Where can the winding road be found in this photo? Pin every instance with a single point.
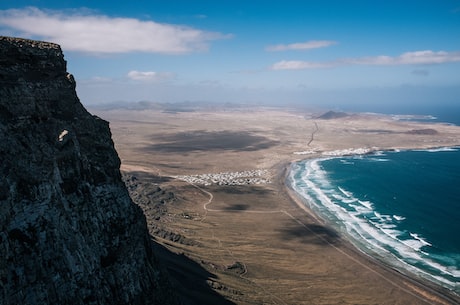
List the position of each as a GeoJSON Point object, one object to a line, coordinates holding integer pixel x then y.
{"type": "Point", "coordinates": [312, 136]}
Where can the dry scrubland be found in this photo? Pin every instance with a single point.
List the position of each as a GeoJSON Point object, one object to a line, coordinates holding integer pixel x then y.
{"type": "Point", "coordinates": [248, 242]}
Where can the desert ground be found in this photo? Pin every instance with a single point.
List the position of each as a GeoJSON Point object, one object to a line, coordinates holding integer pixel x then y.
{"type": "Point", "coordinates": [228, 229]}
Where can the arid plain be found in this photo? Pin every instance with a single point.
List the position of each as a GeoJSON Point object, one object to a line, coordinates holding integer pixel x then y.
{"type": "Point", "coordinates": [212, 186]}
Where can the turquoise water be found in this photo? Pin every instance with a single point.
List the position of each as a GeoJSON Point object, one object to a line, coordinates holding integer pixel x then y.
{"type": "Point", "coordinates": [402, 207]}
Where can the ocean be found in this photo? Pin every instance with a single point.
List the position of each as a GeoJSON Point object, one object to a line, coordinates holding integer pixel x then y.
{"type": "Point", "coordinates": [402, 207]}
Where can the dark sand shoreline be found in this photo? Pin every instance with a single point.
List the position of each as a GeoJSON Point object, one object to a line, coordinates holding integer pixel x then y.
{"type": "Point", "coordinates": [435, 289]}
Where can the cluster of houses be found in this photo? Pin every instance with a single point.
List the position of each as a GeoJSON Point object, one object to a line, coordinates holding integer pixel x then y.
{"type": "Point", "coordinates": [257, 176]}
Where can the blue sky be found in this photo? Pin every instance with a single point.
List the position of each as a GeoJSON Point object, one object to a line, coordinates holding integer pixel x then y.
{"type": "Point", "coordinates": [323, 53]}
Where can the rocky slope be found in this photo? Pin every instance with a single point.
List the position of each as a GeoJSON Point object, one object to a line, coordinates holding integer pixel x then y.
{"type": "Point", "coordinates": [70, 233]}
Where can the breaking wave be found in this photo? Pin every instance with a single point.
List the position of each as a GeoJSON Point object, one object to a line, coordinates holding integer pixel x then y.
{"type": "Point", "coordinates": [371, 230]}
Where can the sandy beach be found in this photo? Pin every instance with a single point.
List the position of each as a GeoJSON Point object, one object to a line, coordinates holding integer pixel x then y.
{"type": "Point", "coordinates": [229, 229]}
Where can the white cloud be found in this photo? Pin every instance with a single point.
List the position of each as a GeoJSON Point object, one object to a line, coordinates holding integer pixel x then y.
{"type": "Point", "coordinates": [409, 58]}
{"type": "Point", "coordinates": [102, 34]}
{"type": "Point", "coordinates": [149, 76]}
{"type": "Point", "coordinates": [312, 44]}
{"type": "Point", "coordinates": [299, 65]}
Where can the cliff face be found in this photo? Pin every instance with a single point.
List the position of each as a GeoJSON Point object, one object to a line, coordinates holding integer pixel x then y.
{"type": "Point", "coordinates": [70, 233]}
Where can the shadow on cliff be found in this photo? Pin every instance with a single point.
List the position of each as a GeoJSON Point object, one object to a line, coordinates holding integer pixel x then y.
{"type": "Point", "coordinates": [188, 278]}
{"type": "Point", "coordinates": [147, 177]}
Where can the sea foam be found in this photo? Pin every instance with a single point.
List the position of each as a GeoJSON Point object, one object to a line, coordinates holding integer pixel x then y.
{"type": "Point", "coordinates": [370, 230]}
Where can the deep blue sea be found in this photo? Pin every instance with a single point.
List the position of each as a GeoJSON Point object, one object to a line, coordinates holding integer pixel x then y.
{"type": "Point", "coordinates": [402, 207]}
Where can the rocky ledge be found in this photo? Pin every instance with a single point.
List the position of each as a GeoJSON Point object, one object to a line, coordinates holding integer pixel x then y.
{"type": "Point", "coordinates": [70, 233]}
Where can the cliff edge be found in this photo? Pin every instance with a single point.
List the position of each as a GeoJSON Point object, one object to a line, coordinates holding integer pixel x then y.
{"type": "Point", "coordinates": [70, 233]}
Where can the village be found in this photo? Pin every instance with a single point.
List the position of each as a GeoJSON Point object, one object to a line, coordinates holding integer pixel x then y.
{"type": "Point", "coordinates": [258, 176]}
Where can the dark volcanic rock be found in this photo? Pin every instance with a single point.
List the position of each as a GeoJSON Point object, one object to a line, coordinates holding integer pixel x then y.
{"type": "Point", "coordinates": [70, 233]}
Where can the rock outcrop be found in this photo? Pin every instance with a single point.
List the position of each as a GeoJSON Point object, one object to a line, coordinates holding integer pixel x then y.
{"type": "Point", "coordinates": [70, 233]}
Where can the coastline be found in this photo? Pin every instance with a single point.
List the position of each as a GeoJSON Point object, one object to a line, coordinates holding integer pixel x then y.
{"type": "Point", "coordinates": [257, 242]}
{"type": "Point", "coordinates": [427, 290]}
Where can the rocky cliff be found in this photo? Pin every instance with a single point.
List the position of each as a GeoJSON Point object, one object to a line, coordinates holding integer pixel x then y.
{"type": "Point", "coordinates": [70, 233]}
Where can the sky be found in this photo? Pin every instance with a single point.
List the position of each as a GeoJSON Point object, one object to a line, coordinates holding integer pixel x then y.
{"type": "Point", "coordinates": [332, 53]}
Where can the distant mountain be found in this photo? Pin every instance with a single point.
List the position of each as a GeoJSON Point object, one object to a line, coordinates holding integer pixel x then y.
{"type": "Point", "coordinates": [70, 233]}
{"type": "Point", "coordinates": [333, 115]}
{"type": "Point", "coordinates": [168, 107]}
